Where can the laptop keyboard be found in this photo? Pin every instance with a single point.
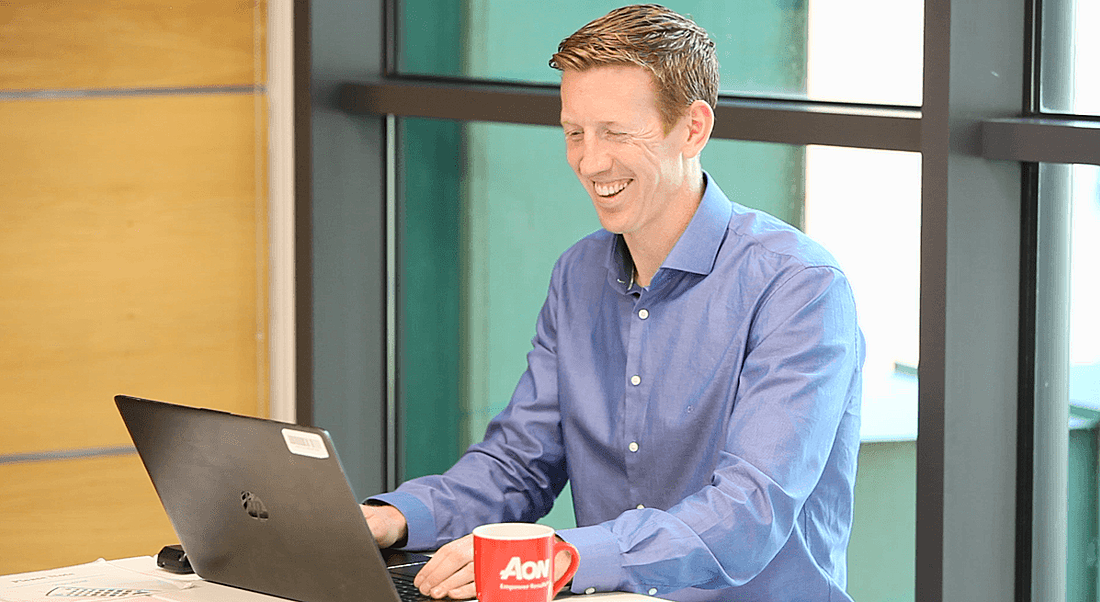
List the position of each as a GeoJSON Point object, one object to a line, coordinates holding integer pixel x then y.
{"type": "Point", "coordinates": [405, 588]}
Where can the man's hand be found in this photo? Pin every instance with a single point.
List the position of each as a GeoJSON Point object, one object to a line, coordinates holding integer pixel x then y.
{"type": "Point", "coordinates": [450, 572]}
{"type": "Point", "coordinates": [386, 523]}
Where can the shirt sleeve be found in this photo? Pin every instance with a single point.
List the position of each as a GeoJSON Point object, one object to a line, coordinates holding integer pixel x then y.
{"type": "Point", "coordinates": [514, 474]}
{"type": "Point", "coordinates": [800, 377]}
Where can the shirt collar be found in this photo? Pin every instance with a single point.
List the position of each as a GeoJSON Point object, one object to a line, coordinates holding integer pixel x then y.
{"type": "Point", "coordinates": [697, 248]}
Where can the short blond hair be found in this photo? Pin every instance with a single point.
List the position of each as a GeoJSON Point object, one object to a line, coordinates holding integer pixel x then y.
{"type": "Point", "coordinates": [677, 52]}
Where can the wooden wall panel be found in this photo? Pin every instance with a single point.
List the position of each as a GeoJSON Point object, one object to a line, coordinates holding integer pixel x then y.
{"type": "Point", "coordinates": [133, 252]}
{"type": "Point", "coordinates": [74, 511]}
{"type": "Point", "coordinates": [64, 44]}
{"type": "Point", "coordinates": [132, 260]}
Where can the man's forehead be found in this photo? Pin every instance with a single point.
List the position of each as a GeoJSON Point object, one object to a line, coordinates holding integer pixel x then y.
{"type": "Point", "coordinates": [607, 94]}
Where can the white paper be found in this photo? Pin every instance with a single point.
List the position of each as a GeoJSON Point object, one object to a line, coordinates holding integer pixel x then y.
{"type": "Point", "coordinates": [92, 582]}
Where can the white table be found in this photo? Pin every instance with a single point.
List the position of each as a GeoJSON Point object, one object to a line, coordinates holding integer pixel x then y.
{"type": "Point", "coordinates": [142, 571]}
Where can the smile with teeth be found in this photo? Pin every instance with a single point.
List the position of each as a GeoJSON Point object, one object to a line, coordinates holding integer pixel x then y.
{"type": "Point", "coordinates": [606, 189]}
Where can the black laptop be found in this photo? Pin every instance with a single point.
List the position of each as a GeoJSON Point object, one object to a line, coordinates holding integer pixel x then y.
{"type": "Point", "coordinates": [263, 505]}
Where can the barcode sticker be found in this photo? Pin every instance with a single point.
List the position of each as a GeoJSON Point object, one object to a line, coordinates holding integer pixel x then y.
{"type": "Point", "coordinates": [305, 444]}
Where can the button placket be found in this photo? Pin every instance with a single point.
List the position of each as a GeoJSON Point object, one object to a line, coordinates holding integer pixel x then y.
{"type": "Point", "coordinates": [635, 324]}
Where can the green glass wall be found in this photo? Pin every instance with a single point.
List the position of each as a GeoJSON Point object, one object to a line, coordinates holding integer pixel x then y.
{"type": "Point", "coordinates": [462, 187]}
{"type": "Point", "coordinates": [484, 210]}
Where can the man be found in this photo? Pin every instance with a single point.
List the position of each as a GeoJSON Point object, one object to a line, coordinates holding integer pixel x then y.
{"type": "Point", "coordinates": [695, 372]}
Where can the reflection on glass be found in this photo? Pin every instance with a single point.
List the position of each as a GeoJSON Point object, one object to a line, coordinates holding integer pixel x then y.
{"type": "Point", "coordinates": [1070, 57]}
{"type": "Point", "coordinates": [485, 211]}
{"type": "Point", "coordinates": [788, 48]}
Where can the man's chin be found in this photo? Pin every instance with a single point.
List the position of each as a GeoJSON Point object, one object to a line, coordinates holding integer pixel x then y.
{"type": "Point", "coordinates": [611, 220]}
{"type": "Point", "coordinates": [610, 224]}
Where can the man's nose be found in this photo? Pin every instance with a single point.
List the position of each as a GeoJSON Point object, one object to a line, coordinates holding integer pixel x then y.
{"type": "Point", "coordinates": [595, 158]}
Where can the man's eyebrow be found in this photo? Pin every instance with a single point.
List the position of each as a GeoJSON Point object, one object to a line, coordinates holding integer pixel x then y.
{"type": "Point", "coordinates": [603, 124]}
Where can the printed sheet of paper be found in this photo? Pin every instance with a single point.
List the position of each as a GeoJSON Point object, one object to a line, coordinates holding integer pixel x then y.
{"type": "Point", "coordinates": [92, 582]}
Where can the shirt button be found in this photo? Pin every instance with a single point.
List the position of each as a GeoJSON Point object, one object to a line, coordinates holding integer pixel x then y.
{"type": "Point", "coordinates": [633, 446]}
{"type": "Point", "coordinates": [653, 591]}
{"type": "Point", "coordinates": [590, 590]}
{"type": "Point", "coordinates": [635, 380]}
{"type": "Point", "coordinates": [643, 313]}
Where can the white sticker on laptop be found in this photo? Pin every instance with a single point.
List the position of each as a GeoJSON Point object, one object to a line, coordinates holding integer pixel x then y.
{"type": "Point", "coordinates": [305, 444]}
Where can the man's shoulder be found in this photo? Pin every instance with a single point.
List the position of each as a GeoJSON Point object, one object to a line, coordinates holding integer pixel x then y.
{"type": "Point", "coordinates": [756, 235]}
{"type": "Point", "coordinates": [770, 239]}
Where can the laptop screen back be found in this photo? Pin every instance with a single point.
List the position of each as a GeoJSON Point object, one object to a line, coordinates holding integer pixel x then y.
{"type": "Point", "coordinates": [258, 504]}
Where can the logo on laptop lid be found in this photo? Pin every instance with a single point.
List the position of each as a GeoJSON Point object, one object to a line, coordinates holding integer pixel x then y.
{"type": "Point", "coordinates": [253, 505]}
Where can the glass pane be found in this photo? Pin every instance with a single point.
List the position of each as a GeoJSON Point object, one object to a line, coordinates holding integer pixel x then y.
{"type": "Point", "coordinates": [859, 200]}
{"type": "Point", "coordinates": [485, 211]}
{"type": "Point", "coordinates": [1083, 518]}
{"type": "Point", "coordinates": [847, 191]}
{"type": "Point", "coordinates": [1068, 382]}
{"type": "Point", "coordinates": [787, 48]}
{"type": "Point", "coordinates": [1070, 57]}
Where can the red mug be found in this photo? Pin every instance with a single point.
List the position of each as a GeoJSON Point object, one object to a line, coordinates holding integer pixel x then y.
{"type": "Point", "coordinates": [514, 562]}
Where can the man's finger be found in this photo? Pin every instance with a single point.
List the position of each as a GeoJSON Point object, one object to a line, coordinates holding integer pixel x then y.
{"type": "Point", "coordinates": [562, 561]}
{"type": "Point", "coordinates": [457, 585]}
{"type": "Point", "coordinates": [445, 563]}
{"type": "Point", "coordinates": [466, 592]}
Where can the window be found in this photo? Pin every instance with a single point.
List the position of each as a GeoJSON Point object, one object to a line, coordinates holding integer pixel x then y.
{"type": "Point", "coordinates": [777, 48]}
{"type": "Point", "coordinates": [487, 209]}
{"type": "Point", "coordinates": [1067, 394]}
{"type": "Point", "coordinates": [1065, 540]}
{"type": "Point", "coordinates": [1083, 478]}
{"type": "Point", "coordinates": [484, 209]}
{"type": "Point", "coordinates": [973, 142]}
{"type": "Point", "coordinates": [1069, 58]}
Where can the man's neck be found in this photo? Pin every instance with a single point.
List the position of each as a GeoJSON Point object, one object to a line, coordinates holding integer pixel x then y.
{"type": "Point", "coordinates": [649, 249]}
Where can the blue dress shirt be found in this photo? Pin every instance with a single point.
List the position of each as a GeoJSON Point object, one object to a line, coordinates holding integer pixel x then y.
{"type": "Point", "coordinates": [708, 423]}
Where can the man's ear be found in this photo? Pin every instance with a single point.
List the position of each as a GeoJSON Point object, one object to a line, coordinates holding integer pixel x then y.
{"type": "Point", "coordinates": [700, 118]}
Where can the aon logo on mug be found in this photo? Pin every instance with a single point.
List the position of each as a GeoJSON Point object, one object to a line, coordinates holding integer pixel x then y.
{"type": "Point", "coordinates": [525, 571]}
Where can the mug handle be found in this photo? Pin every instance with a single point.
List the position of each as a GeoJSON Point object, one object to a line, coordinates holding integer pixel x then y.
{"type": "Point", "coordinates": [574, 563]}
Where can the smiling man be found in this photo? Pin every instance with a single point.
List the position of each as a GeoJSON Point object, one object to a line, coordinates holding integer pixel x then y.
{"type": "Point", "coordinates": [644, 178]}
{"type": "Point", "coordinates": [695, 371]}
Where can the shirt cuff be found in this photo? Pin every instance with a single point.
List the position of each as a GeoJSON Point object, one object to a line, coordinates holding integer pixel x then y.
{"type": "Point", "coordinates": [601, 566]}
{"type": "Point", "coordinates": [418, 518]}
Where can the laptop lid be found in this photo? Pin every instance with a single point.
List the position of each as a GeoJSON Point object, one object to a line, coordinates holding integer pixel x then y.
{"type": "Point", "coordinates": [258, 504]}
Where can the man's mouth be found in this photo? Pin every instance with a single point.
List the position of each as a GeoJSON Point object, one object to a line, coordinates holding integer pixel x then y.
{"type": "Point", "coordinates": [609, 189]}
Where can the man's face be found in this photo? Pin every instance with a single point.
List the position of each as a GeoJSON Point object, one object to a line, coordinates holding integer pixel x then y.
{"type": "Point", "coordinates": [616, 144]}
